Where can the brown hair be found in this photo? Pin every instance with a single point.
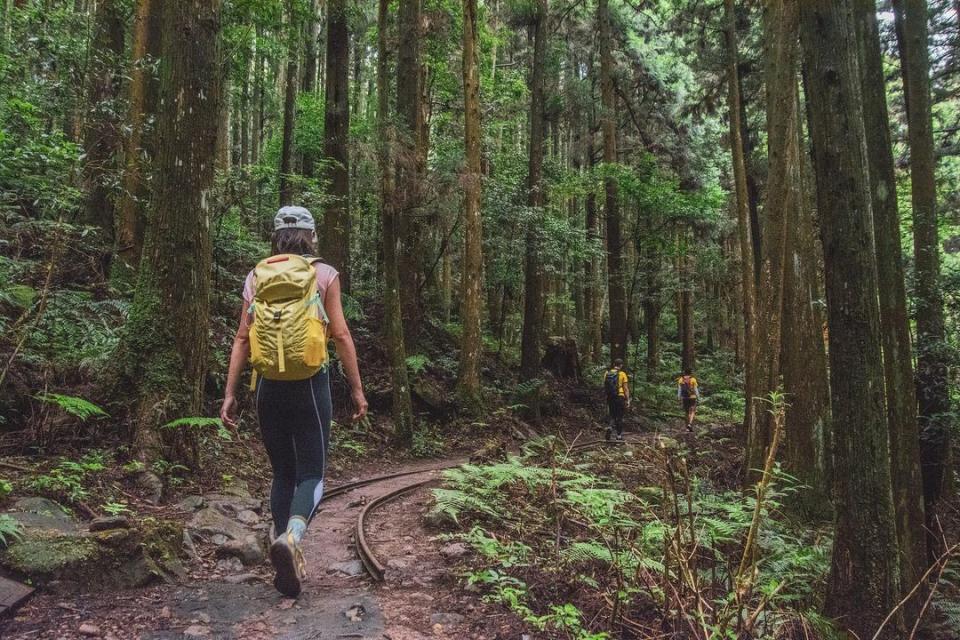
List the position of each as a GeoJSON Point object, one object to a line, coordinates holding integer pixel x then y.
{"type": "Point", "coordinates": [296, 241]}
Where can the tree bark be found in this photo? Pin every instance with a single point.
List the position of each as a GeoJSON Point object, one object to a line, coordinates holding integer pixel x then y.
{"type": "Point", "coordinates": [472, 267]}
{"type": "Point", "coordinates": [393, 316]}
{"type": "Point", "coordinates": [863, 585]}
{"type": "Point", "coordinates": [289, 111]}
{"type": "Point", "coordinates": [336, 223]}
{"type": "Point", "coordinates": [803, 352]}
{"type": "Point", "coordinates": [932, 372]}
{"type": "Point", "coordinates": [780, 23]}
{"type": "Point", "coordinates": [409, 130]}
{"type": "Point", "coordinates": [166, 338]}
{"type": "Point", "coordinates": [894, 319]}
{"type": "Point", "coordinates": [608, 124]}
{"type": "Point", "coordinates": [741, 198]}
{"type": "Point", "coordinates": [536, 198]}
{"type": "Point", "coordinates": [142, 104]}
{"type": "Point", "coordinates": [101, 140]}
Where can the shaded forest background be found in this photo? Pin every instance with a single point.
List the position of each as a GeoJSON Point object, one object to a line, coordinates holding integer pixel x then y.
{"type": "Point", "coordinates": [764, 192]}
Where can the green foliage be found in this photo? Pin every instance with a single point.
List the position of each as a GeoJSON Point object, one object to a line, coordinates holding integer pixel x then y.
{"type": "Point", "coordinates": [6, 488]}
{"type": "Point", "coordinates": [70, 479]}
{"type": "Point", "coordinates": [417, 363]}
{"type": "Point", "coordinates": [427, 442]}
{"type": "Point", "coordinates": [10, 530]}
{"type": "Point", "coordinates": [115, 508]}
{"type": "Point", "coordinates": [201, 424]}
{"type": "Point", "coordinates": [546, 513]}
{"type": "Point", "coordinates": [77, 407]}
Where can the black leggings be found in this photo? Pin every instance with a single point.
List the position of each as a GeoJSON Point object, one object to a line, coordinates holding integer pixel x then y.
{"type": "Point", "coordinates": [295, 425]}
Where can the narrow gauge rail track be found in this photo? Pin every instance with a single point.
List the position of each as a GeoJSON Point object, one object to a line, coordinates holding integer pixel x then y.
{"type": "Point", "coordinates": [369, 559]}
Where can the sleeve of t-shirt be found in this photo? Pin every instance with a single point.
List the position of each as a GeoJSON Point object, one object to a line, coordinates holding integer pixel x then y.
{"type": "Point", "coordinates": [247, 298]}
{"type": "Point", "coordinates": [624, 381]}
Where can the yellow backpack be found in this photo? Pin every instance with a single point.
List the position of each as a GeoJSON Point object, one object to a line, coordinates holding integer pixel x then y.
{"type": "Point", "coordinates": [288, 339]}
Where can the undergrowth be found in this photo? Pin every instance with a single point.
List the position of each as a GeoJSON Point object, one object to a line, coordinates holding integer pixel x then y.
{"type": "Point", "coordinates": [578, 552]}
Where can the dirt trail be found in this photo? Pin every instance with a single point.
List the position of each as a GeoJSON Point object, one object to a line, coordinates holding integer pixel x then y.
{"type": "Point", "coordinates": [339, 599]}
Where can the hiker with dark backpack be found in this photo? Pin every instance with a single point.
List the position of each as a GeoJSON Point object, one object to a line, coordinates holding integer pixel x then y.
{"type": "Point", "coordinates": [616, 385]}
{"type": "Point", "coordinates": [291, 304]}
{"type": "Point", "coordinates": [688, 392]}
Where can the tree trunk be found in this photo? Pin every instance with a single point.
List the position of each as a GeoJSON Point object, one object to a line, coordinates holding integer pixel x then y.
{"type": "Point", "coordinates": [894, 321]}
{"type": "Point", "coordinates": [470, 345]}
{"type": "Point", "coordinates": [932, 372]}
{"type": "Point", "coordinates": [688, 353]}
{"type": "Point", "coordinates": [409, 124]}
{"type": "Point", "coordinates": [803, 353]}
{"type": "Point", "coordinates": [166, 338]}
{"type": "Point", "coordinates": [101, 140]}
{"type": "Point", "coordinates": [747, 280]}
{"type": "Point", "coordinates": [308, 85]}
{"type": "Point", "coordinates": [536, 190]}
{"type": "Point", "coordinates": [863, 584]}
{"type": "Point", "coordinates": [142, 104]}
{"type": "Point", "coordinates": [336, 221]}
{"type": "Point", "coordinates": [256, 137]}
{"type": "Point", "coordinates": [289, 111]}
{"type": "Point", "coordinates": [780, 20]}
{"type": "Point", "coordinates": [608, 124]}
{"type": "Point", "coordinates": [393, 317]}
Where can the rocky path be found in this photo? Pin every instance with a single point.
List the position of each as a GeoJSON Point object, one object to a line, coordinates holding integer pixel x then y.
{"type": "Point", "coordinates": [226, 590]}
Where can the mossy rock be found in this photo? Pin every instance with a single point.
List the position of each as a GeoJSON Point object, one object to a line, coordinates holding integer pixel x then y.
{"type": "Point", "coordinates": [50, 555]}
{"type": "Point", "coordinates": [113, 559]}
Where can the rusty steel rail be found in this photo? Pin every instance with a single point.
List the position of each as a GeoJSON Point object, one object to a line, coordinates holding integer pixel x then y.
{"type": "Point", "coordinates": [350, 486]}
{"type": "Point", "coordinates": [369, 559]}
{"type": "Point", "coordinates": [373, 566]}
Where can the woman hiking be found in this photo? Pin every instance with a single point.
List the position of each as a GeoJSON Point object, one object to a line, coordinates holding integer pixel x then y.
{"type": "Point", "coordinates": [291, 303]}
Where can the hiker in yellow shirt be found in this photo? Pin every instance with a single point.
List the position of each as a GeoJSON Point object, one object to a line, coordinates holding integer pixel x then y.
{"type": "Point", "coordinates": [616, 384]}
{"type": "Point", "coordinates": [688, 392]}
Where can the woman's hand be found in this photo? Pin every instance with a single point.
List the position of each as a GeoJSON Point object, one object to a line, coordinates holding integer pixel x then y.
{"type": "Point", "coordinates": [359, 403]}
{"type": "Point", "coordinates": [228, 412]}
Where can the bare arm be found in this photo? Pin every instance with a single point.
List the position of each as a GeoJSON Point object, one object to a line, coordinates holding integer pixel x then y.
{"type": "Point", "coordinates": [239, 355]}
{"type": "Point", "coordinates": [340, 334]}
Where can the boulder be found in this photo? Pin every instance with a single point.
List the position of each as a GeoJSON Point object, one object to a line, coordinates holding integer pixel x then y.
{"type": "Point", "coordinates": [35, 513]}
{"type": "Point", "coordinates": [211, 522]}
{"type": "Point", "coordinates": [247, 550]}
{"type": "Point", "coordinates": [106, 523]}
{"type": "Point", "coordinates": [115, 558]}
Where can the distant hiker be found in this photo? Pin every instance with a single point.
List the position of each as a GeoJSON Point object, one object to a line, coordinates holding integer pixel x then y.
{"type": "Point", "coordinates": [291, 303]}
{"type": "Point", "coordinates": [688, 392]}
{"type": "Point", "coordinates": [616, 384]}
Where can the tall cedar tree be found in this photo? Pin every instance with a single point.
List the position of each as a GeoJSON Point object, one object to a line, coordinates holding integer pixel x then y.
{"type": "Point", "coordinates": [393, 320]}
{"type": "Point", "coordinates": [289, 107]}
{"type": "Point", "coordinates": [536, 198]}
{"type": "Point", "coordinates": [895, 323]}
{"type": "Point", "coordinates": [806, 378]}
{"type": "Point", "coordinates": [863, 585]}
{"type": "Point", "coordinates": [166, 338]}
{"type": "Point", "coordinates": [470, 345]}
{"type": "Point", "coordinates": [611, 208]}
{"type": "Point", "coordinates": [142, 98]}
{"type": "Point", "coordinates": [742, 203]}
{"type": "Point", "coordinates": [932, 391]}
{"type": "Point", "coordinates": [336, 136]}
{"type": "Point", "coordinates": [409, 125]}
{"type": "Point", "coordinates": [101, 140]}
{"type": "Point", "coordinates": [780, 23]}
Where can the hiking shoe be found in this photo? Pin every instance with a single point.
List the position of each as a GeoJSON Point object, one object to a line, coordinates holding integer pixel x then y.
{"type": "Point", "coordinates": [690, 427]}
{"type": "Point", "coordinates": [619, 437]}
{"type": "Point", "coordinates": [608, 434]}
{"type": "Point", "coordinates": [287, 560]}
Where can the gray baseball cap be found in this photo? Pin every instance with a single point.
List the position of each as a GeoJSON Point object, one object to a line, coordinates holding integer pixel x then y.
{"type": "Point", "coordinates": [292, 217]}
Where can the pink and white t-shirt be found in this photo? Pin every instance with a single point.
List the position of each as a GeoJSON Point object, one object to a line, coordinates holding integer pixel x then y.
{"type": "Point", "coordinates": [325, 277]}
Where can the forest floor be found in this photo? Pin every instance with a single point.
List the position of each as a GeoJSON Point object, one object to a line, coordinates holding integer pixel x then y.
{"type": "Point", "coordinates": [218, 596]}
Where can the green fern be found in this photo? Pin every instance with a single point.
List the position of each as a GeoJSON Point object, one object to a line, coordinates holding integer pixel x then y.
{"type": "Point", "coordinates": [200, 422]}
{"type": "Point", "coordinates": [76, 407]}
{"type": "Point", "coordinates": [10, 530]}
